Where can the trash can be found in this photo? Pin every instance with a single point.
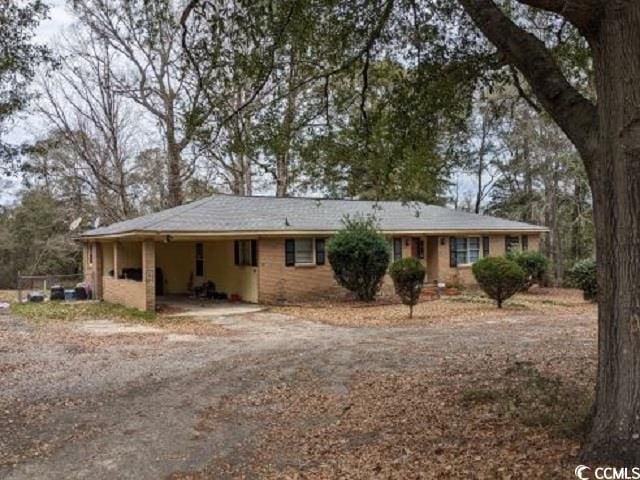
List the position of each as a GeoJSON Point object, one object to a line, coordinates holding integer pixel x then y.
{"type": "Point", "coordinates": [81, 293]}
{"type": "Point", "coordinates": [35, 297]}
{"type": "Point", "coordinates": [57, 293]}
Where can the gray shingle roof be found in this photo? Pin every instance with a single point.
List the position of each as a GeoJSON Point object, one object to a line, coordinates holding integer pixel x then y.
{"type": "Point", "coordinates": [227, 213]}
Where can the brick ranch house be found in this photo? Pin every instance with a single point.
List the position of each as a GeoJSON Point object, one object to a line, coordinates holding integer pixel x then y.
{"type": "Point", "coordinates": [267, 249]}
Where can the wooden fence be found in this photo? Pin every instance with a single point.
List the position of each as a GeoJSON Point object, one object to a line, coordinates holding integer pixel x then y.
{"type": "Point", "coordinates": [44, 282]}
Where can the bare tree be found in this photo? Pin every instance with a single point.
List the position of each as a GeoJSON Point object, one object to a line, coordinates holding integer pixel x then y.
{"type": "Point", "coordinates": [93, 128]}
{"type": "Point", "coordinates": [151, 71]}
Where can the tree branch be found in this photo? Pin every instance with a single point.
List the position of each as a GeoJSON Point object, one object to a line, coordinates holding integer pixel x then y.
{"type": "Point", "coordinates": [573, 113]}
{"type": "Point", "coordinates": [584, 14]}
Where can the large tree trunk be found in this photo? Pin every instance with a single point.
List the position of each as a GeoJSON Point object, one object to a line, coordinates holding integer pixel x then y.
{"type": "Point", "coordinates": [615, 182]}
{"type": "Point", "coordinates": [608, 139]}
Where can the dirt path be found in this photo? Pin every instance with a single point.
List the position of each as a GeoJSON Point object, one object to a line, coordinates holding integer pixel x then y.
{"type": "Point", "coordinates": [149, 405]}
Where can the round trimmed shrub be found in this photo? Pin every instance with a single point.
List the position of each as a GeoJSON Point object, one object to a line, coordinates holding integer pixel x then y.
{"type": "Point", "coordinates": [583, 275]}
{"type": "Point", "coordinates": [499, 277]}
{"type": "Point", "coordinates": [534, 264]}
{"type": "Point", "coordinates": [408, 277]}
{"type": "Point", "coordinates": [359, 257]}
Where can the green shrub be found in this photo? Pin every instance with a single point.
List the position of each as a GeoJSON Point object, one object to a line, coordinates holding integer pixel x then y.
{"type": "Point", "coordinates": [534, 264]}
{"type": "Point", "coordinates": [583, 275]}
{"type": "Point", "coordinates": [499, 277]}
{"type": "Point", "coordinates": [408, 277]}
{"type": "Point", "coordinates": [359, 256]}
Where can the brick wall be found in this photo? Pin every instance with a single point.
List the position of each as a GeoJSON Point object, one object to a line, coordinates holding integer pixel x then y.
{"type": "Point", "coordinates": [463, 275]}
{"type": "Point", "coordinates": [140, 295]}
{"type": "Point", "coordinates": [125, 292]}
{"type": "Point", "coordinates": [277, 282]}
{"type": "Point", "coordinates": [149, 275]}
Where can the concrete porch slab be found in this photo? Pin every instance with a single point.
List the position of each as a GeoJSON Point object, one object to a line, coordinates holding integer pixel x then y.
{"type": "Point", "coordinates": [185, 307]}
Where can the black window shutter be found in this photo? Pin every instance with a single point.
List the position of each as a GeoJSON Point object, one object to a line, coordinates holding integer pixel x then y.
{"type": "Point", "coordinates": [452, 252]}
{"type": "Point", "coordinates": [506, 244]}
{"type": "Point", "coordinates": [254, 253]}
{"type": "Point", "coordinates": [485, 246]}
{"type": "Point", "coordinates": [199, 260]}
{"type": "Point", "coordinates": [289, 252]}
{"type": "Point", "coordinates": [525, 243]}
{"type": "Point", "coordinates": [236, 252]}
{"type": "Point", "coordinates": [319, 251]}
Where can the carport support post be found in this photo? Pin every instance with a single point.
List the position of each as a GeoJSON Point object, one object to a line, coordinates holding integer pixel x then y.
{"type": "Point", "coordinates": [97, 270]}
{"type": "Point", "coordinates": [149, 274]}
{"type": "Point", "coordinates": [116, 260]}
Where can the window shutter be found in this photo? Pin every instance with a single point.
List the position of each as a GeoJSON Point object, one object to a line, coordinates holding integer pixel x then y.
{"type": "Point", "coordinates": [452, 252]}
{"type": "Point", "coordinates": [320, 251]}
{"type": "Point", "coordinates": [289, 252]}
{"type": "Point", "coordinates": [254, 253]}
{"type": "Point", "coordinates": [525, 243]}
{"type": "Point", "coordinates": [485, 246]}
{"type": "Point", "coordinates": [236, 252]}
{"type": "Point", "coordinates": [506, 244]}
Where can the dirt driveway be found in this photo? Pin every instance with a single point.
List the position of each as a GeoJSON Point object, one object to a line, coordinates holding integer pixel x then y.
{"type": "Point", "coordinates": [269, 395]}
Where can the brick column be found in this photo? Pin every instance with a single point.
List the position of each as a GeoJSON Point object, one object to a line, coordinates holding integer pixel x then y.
{"type": "Point", "coordinates": [116, 260]}
{"type": "Point", "coordinates": [97, 270]}
{"type": "Point", "coordinates": [149, 274]}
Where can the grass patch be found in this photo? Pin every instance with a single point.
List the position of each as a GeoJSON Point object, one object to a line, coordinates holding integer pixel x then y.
{"type": "Point", "coordinates": [537, 400]}
{"type": "Point", "coordinates": [480, 299]}
{"type": "Point", "coordinates": [479, 396]}
{"type": "Point", "coordinates": [469, 299]}
{"type": "Point", "coordinates": [555, 303]}
{"type": "Point", "coordinates": [63, 311]}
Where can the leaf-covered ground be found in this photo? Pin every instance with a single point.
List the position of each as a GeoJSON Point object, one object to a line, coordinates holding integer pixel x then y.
{"type": "Point", "coordinates": [463, 392]}
{"type": "Point", "coordinates": [469, 305]}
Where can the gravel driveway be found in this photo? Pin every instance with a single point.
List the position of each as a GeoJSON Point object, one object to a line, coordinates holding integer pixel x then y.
{"type": "Point", "coordinates": [77, 404]}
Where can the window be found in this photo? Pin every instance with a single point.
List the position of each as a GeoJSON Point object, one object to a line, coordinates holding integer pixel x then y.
{"type": "Point", "coordinates": [525, 243]}
{"type": "Point", "coordinates": [246, 253]}
{"type": "Point", "coordinates": [464, 250]}
{"type": "Point", "coordinates": [397, 249]}
{"type": "Point", "coordinates": [90, 248]}
{"type": "Point", "coordinates": [474, 249]}
{"type": "Point", "coordinates": [199, 260]}
{"type": "Point", "coordinates": [304, 250]}
{"type": "Point", "coordinates": [511, 244]}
